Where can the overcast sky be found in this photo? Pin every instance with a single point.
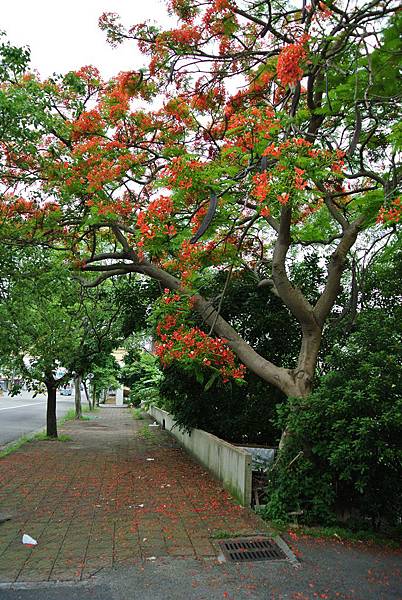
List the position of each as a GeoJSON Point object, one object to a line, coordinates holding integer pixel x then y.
{"type": "Point", "coordinates": [64, 35]}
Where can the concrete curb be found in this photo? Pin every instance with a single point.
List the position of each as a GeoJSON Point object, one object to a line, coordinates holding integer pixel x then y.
{"type": "Point", "coordinates": [29, 437]}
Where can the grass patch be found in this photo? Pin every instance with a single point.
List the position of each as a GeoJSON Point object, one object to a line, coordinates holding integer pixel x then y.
{"type": "Point", "coordinates": [137, 414]}
{"type": "Point", "coordinates": [146, 433]}
{"type": "Point", "coordinates": [42, 437]}
{"type": "Point", "coordinates": [25, 439]}
{"type": "Point", "coordinates": [390, 539]}
{"type": "Point", "coordinates": [221, 534]}
{"type": "Point", "coordinates": [15, 445]}
{"type": "Point", "coordinates": [367, 536]}
{"type": "Point", "coordinates": [70, 415]}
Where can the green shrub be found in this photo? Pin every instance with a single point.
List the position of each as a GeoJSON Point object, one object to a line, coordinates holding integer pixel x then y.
{"type": "Point", "coordinates": [144, 376]}
{"type": "Point", "coordinates": [236, 413]}
{"type": "Point", "coordinates": [347, 435]}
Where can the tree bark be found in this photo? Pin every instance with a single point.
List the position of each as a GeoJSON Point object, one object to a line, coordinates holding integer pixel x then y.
{"type": "Point", "coordinates": [78, 407]}
{"type": "Point", "coordinates": [95, 396]}
{"type": "Point", "coordinates": [91, 406]}
{"type": "Point", "coordinates": [296, 382]}
{"type": "Point", "coordinates": [51, 420]}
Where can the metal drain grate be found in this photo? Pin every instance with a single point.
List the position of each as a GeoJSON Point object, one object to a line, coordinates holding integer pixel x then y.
{"type": "Point", "coordinates": [251, 549]}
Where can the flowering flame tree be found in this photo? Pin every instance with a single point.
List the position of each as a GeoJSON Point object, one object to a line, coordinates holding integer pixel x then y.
{"type": "Point", "coordinates": [254, 129]}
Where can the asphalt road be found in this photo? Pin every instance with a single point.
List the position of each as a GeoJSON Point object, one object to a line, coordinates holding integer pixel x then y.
{"type": "Point", "coordinates": [328, 570]}
{"type": "Point", "coordinates": [23, 414]}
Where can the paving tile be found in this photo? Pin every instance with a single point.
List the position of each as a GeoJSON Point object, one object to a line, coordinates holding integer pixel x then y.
{"type": "Point", "coordinates": [96, 501]}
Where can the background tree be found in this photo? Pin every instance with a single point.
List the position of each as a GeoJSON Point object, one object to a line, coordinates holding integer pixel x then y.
{"type": "Point", "coordinates": [102, 328]}
{"type": "Point", "coordinates": [106, 374]}
{"type": "Point", "coordinates": [39, 329]}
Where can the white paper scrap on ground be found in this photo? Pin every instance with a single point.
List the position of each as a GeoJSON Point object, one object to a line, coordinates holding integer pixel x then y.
{"type": "Point", "coordinates": [28, 540]}
{"type": "Point", "coordinates": [151, 558]}
{"type": "Point", "coordinates": [150, 459]}
{"type": "Point", "coordinates": [154, 424]}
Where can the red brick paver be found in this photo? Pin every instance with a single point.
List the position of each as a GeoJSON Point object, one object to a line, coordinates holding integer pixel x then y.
{"type": "Point", "coordinates": [98, 500]}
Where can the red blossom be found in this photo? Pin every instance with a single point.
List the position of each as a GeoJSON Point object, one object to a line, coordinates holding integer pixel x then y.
{"type": "Point", "coordinates": [261, 186]}
{"type": "Point", "coordinates": [389, 216]}
{"type": "Point", "coordinates": [289, 68]}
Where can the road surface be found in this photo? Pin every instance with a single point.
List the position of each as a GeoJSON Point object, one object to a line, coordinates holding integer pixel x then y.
{"type": "Point", "coordinates": [24, 414]}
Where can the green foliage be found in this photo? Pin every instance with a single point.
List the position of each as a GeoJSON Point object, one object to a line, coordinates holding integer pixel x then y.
{"type": "Point", "coordinates": [10, 448]}
{"type": "Point", "coordinates": [356, 534]}
{"type": "Point", "coordinates": [343, 456]}
{"type": "Point", "coordinates": [134, 296]}
{"type": "Point", "coordinates": [146, 433]}
{"type": "Point", "coordinates": [106, 374]}
{"type": "Point", "coordinates": [240, 414]}
{"type": "Point", "coordinates": [46, 315]}
{"type": "Point", "coordinates": [37, 314]}
{"type": "Point", "coordinates": [137, 414]}
{"type": "Point", "coordinates": [70, 415]}
{"type": "Point", "coordinates": [13, 60]}
{"type": "Point", "coordinates": [144, 376]}
{"type": "Point", "coordinates": [243, 413]}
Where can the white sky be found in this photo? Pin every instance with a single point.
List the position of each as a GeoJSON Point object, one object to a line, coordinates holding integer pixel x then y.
{"type": "Point", "coordinates": [65, 36]}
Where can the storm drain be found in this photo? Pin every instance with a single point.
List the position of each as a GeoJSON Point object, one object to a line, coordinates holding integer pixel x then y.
{"type": "Point", "coordinates": [246, 549]}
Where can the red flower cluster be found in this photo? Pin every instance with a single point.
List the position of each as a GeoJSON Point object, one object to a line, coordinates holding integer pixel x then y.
{"type": "Point", "coordinates": [152, 222]}
{"type": "Point", "coordinates": [11, 206]}
{"type": "Point", "coordinates": [243, 129]}
{"type": "Point", "coordinates": [121, 207]}
{"type": "Point", "coordinates": [337, 166]}
{"type": "Point", "coordinates": [194, 345]}
{"type": "Point", "coordinates": [324, 11]}
{"type": "Point", "coordinates": [190, 345]}
{"type": "Point", "coordinates": [88, 123]}
{"type": "Point", "coordinates": [183, 8]}
{"type": "Point", "coordinates": [187, 35]}
{"type": "Point", "coordinates": [283, 198]}
{"type": "Point", "coordinates": [179, 110]}
{"type": "Point", "coordinates": [261, 186]}
{"type": "Point", "coordinates": [391, 215]}
{"type": "Point", "coordinates": [288, 68]}
{"type": "Point", "coordinates": [181, 173]}
{"type": "Point", "coordinates": [217, 15]}
{"type": "Point", "coordinates": [300, 182]}
{"type": "Point", "coordinates": [90, 75]}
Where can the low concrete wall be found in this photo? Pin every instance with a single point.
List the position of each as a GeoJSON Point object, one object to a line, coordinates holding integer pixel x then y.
{"type": "Point", "coordinates": [231, 465]}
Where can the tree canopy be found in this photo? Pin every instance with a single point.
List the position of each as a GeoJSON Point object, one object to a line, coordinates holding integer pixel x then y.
{"type": "Point", "coordinates": [254, 130]}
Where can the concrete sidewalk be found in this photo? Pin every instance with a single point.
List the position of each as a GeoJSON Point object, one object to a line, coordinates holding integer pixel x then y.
{"type": "Point", "coordinates": [120, 511]}
{"type": "Point", "coordinates": [117, 493]}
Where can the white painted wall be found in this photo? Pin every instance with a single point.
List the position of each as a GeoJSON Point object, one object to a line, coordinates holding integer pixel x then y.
{"type": "Point", "coordinates": [119, 396]}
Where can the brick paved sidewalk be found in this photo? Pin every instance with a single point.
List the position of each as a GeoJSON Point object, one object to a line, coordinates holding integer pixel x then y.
{"type": "Point", "coordinates": [98, 501]}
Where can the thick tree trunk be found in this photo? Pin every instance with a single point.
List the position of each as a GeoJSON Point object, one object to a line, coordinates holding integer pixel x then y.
{"type": "Point", "coordinates": [51, 420]}
{"type": "Point", "coordinates": [77, 387]}
{"type": "Point", "coordinates": [303, 375]}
